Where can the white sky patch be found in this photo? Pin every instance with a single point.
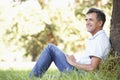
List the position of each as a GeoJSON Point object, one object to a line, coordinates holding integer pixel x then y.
{"type": "Point", "coordinates": [61, 3]}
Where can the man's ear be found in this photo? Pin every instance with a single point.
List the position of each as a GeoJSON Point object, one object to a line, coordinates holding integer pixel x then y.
{"type": "Point", "coordinates": [100, 23]}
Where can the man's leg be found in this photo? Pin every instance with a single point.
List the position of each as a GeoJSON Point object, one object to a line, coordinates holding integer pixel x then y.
{"type": "Point", "coordinates": [49, 54]}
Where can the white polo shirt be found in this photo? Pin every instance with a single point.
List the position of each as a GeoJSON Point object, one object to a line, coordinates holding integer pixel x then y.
{"type": "Point", "coordinates": [98, 45]}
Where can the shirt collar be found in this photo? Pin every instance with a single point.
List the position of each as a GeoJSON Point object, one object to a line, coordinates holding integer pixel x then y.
{"type": "Point", "coordinates": [98, 33]}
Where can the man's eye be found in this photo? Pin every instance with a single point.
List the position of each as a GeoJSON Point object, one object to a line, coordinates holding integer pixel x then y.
{"type": "Point", "coordinates": [91, 19]}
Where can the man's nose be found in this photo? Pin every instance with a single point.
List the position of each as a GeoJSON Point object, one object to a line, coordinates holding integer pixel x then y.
{"type": "Point", "coordinates": [87, 22]}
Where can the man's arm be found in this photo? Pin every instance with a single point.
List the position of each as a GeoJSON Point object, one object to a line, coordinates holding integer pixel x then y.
{"type": "Point", "coordinates": [95, 61]}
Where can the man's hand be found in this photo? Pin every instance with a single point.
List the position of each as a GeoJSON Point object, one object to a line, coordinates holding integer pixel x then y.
{"type": "Point", "coordinates": [71, 60]}
{"type": "Point", "coordinates": [95, 61]}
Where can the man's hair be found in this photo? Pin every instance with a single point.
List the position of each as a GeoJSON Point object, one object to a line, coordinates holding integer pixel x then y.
{"type": "Point", "coordinates": [100, 14]}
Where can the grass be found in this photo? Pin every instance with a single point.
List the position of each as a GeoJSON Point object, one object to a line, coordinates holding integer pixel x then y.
{"type": "Point", "coordinates": [108, 71]}
{"type": "Point", "coordinates": [55, 75]}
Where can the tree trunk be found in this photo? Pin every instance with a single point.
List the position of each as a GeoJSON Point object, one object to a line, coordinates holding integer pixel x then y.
{"type": "Point", "coordinates": [34, 58]}
{"type": "Point", "coordinates": [115, 27]}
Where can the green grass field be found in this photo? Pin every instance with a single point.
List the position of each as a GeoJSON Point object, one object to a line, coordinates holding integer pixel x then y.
{"type": "Point", "coordinates": [106, 72]}
{"type": "Point", "coordinates": [55, 75]}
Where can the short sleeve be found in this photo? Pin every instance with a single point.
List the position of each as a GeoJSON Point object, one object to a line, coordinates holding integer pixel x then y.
{"type": "Point", "coordinates": [100, 48]}
{"type": "Point", "coordinates": [97, 50]}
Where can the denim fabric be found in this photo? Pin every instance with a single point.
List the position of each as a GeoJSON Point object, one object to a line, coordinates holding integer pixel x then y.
{"type": "Point", "coordinates": [49, 54]}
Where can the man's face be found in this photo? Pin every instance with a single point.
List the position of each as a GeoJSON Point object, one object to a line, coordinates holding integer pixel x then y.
{"type": "Point", "coordinates": [92, 24]}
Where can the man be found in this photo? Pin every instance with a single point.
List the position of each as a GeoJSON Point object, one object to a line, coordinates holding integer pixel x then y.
{"type": "Point", "coordinates": [98, 47]}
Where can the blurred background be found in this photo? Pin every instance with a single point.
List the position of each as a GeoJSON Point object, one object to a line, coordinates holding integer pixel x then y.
{"type": "Point", "coordinates": [27, 26]}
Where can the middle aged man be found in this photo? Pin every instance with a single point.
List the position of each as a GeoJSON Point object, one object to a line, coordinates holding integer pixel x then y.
{"type": "Point", "coordinates": [97, 49]}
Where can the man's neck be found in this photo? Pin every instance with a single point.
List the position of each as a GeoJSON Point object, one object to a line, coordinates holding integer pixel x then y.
{"type": "Point", "coordinates": [93, 33]}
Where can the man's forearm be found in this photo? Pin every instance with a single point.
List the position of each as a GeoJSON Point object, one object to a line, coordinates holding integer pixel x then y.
{"type": "Point", "coordinates": [86, 67]}
{"type": "Point", "coordinates": [95, 61]}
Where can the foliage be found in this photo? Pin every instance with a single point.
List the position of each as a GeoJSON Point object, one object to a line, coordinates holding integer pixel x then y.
{"type": "Point", "coordinates": [39, 40]}
{"type": "Point", "coordinates": [82, 6]}
{"type": "Point", "coordinates": [33, 27]}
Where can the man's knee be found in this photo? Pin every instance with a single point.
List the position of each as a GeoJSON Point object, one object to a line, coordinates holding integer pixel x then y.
{"type": "Point", "coordinates": [50, 45]}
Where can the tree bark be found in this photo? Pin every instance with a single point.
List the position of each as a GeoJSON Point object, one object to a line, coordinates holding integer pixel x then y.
{"type": "Point", "coordinates": [115, 27]}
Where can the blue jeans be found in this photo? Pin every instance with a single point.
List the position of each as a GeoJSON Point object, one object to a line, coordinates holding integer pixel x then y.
{"type": "Point", "coordinates": [49, 54]}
